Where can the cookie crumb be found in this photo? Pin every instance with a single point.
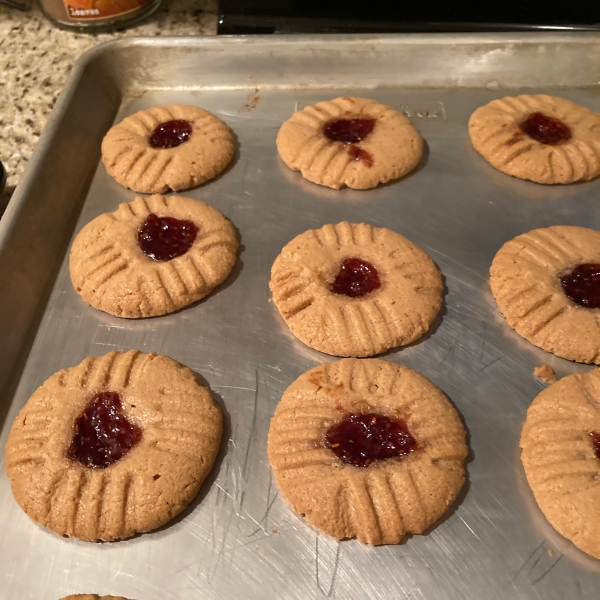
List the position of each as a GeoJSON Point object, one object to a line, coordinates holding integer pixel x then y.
{"type": "Point", "coordinates": [545, 373]}
{"type": "Point", "coordinates": [550, 553]}
{"type": "Point", "coordinates": [274, 531]}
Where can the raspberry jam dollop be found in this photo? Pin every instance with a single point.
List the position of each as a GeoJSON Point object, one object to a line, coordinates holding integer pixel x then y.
{"type": "Point", "coordinates": [102, 433]}
{"type": "Point", "coordinates": [348, 131]}
{"type": "Point", "coordinates": [165, 238]}
{"type": "Point", "coordinates": [545, 129]}
{"type": "Point", "coordinates": [582, 285]}
{"type": "Point", "coordinates": [355, 278]}
{"type": "Point", "coordinates": [359, 439]}
{"type": "Point", "coordinates": [171, 134]}
{"type": "Point", "coordinates": [595, 438]}
{"type": "Point", "coordinates": [357, 153]}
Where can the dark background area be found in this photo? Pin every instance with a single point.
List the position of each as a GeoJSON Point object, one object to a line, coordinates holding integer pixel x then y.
{"type": "Point", "coordinates": [271, 16]}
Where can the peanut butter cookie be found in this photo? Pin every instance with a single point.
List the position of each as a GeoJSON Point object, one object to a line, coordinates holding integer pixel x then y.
{"type": "Point", "coordinates": [560, 446]}
{"type": "Point", "coordinates": [165, 148]}
{"type": "Point", "coordinates": [115, 446]}
{"type": "Point", "coordinates": [352, 142]}
{"type": "Point", "coordinates": [152, 256]}
{"type": "Point", "coordinates": [92, 597]}
{"type": "Point", "coordinates": [547, 286]}
{"type": "Point", "coordinates": [538, 137]}
{"type": "Point", "coordinates": [367, 449]}
{"type": "Point", "coordinates": [355, 290]}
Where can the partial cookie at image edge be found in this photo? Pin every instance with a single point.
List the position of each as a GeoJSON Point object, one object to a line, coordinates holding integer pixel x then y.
{"type": "Point", "coordinates": [561, 458]}
{"type": "Point", "coordinates": [526, 277]}
{"type": "Point", "coordinates": [501, 130]}
{"type": "Point", "coordinates": [92, 597]}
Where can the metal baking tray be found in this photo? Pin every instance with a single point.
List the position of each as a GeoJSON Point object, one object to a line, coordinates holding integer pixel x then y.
{"type": "Point", "coordinates": [239, 539]}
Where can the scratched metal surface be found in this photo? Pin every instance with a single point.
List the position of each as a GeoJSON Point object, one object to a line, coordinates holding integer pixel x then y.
{"type": "Point", "coordinates": [239, 539]}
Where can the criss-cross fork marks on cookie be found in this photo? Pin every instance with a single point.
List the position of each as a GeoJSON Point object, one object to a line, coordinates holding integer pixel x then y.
{"type": "Point", "coordinates": [391, 150]}
{"type": "Point", "coordinates": [111, 272]}
{"type": "Point", "coordinates": [396, 313]}
{"type": "Point", "coordinates": [560, 459]}
{"type": "Point", "coordinates": [135, 163]}
{"type": "Point", "coordinates": [181, 431]}
{"type": "Point", "coordinates": [497, 133]}
{"type": "Point", "coordinates": [525, 278]}
{"type": "Point", "coordinates": [381, 503]}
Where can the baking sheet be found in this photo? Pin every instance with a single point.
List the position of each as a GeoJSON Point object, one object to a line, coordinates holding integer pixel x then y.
{"type": "Point", "coordinates": [239, 539]}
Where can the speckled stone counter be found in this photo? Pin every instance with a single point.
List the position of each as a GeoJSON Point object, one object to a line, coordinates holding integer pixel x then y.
{"type": "Point", "coordinates": [36, 57]}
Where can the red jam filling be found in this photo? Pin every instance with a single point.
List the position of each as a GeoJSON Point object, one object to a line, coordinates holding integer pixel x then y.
{"type": "Point", "coordinates": [582, 285]}
{"type": "Point", "coordinates": [359, 439]}
{"type": "Point", "coordinates": [165, 238]}
{"type": "Point", "coordinates": [102, 433]}
{"type": "Point", "coordinates": [355, 278]}
{"type": "Point", "coordinates": [595, 437]}
{"type": "Point", "coordinates": [357, 153]}
{"type": "Point", "coordinates": [348, 131]}
{"type": "Point", "coordinates": [546, 130]}
{"type": "Point", "coordinates": [171, 134]}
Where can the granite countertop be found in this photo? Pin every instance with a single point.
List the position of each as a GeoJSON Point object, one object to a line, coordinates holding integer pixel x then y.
{"type": "Point", "coordinates": [36, 57]}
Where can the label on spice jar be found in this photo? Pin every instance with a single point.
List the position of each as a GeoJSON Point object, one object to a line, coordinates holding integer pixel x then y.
{"type": "Point", "coordinates": [100, 9]}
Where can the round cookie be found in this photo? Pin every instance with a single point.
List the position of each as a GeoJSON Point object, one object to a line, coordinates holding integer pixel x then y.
{"type": "Point", "coordinates": [353, 142]}
{"type": "Point", "coordinates": [92, 597]}
{"type": "Point", "coordinates": [538, 137]}
{"type": "Point", "coordinates": [525, 278]}
{"type": "Point", "coordinates": [115, 446]}
{"type": "Point", "coordinates": [396, 313]}
{"type": "Point", "coordinates": [560, 446]}
{"type": "Point", "coordinates": [154, 151]}
{"type": "Point", "coordinates": [111, 272]}
{"type": "Point", "coordinates": [381, 502]}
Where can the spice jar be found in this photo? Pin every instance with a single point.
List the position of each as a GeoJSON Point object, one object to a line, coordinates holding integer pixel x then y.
{"type": "Point", "coordinates": [97, 15]}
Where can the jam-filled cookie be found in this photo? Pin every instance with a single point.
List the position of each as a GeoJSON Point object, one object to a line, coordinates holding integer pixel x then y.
{"type": "Point", "coordinates": [538, 137]}
{"type": "Point", "coordinates": [115, 446]}
{"type": "Point", "coordinates": [355, 290]}
{"type": "Point", "coordinates": [547, 285]}
{"type": "Point", "coordinates": [163, 148]}
{"type": "Point", "coordinates": [152, 256]}
{"type": "Point", "coordinates": [353, 142]}
{"type": "Point", "coordinates": [560, 446]}
{"type": "Point", "coordinates": [367, 449]}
